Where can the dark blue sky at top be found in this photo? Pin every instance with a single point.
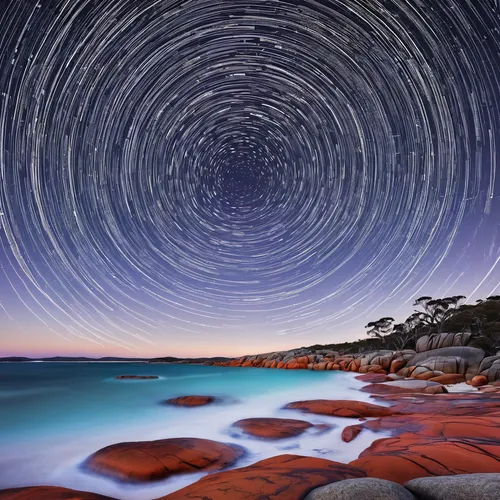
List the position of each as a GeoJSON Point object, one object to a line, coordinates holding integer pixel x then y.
{"type": "Point", "coordinates": [233, 177]}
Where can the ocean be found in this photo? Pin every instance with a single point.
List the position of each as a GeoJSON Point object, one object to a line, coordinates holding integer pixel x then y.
{"type": "Point", "coordinates": [54, 415]}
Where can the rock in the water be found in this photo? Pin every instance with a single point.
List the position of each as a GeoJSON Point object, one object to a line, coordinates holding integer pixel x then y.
{"type": "Point", "coordinates": [285, 477]}
{"type": "Point", "coordinates": [340, 408]}
{"type": "Point", "coordinates": [190, 401]}
{"type": "Point", "coordinates": [136, 377]}
{"type": "Point", "coordinates": [407, 457]}
{"type": "Point", "coordinates": [351, 432]}
{"type": "Point", "coordinates": [478, 381]}
{"type": "Point", "coordinates": [272, 428]}
{"type": "Point", "coordinates": [361, 489]}
{"type": "Point", "coordinates": [153, 460]}
{"type": "Point", "coordinates": [459, 487]}
{"type": "Point", "coordinates": [404, 386]}
{"type": "Point", "coordinates": [48, 493]}
{"type": "Point", "coordinates": [373, 378]}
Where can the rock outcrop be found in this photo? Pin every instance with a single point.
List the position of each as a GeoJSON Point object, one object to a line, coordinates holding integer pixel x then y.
{"type": "Point", "coordinates": [284, 477]}
{"type": "Point", "coordinates": [440, 340]}
{"type": "Point", "coordinates": [436, 357]}
{"type": "Point", "coordinates": [136, 377]}
{"type": "Point", "coordinates": [340, 408]}
{"type": "Point", "coordinates": [49, 493]}
{"type": "Point", "coordinates": [144, 461]}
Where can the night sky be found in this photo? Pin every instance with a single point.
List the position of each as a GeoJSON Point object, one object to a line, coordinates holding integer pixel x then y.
{"type": "Point", "coordinates": [231, 177]}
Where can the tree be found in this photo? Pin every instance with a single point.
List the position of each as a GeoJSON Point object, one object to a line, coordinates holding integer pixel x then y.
{"type": "Point", "coordinates": [381, 328]}
{"type": "Point", "coordinates": [437, 311]}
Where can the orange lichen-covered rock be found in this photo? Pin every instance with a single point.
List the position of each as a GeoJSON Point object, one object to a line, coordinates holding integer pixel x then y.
{"type": "Point", "coordinates": [355, 365]}
{"type": "Point", "coordinates": [320, 366]}
{"type": "Point", "coordinates": [445, 404]}
{"type": "Point", "coordinates": [350, 432]}
{"type": "Point", "coordinates": [407, 457]}
{"type": "Point", "coordinates": [478, 381]}
{"type": "Point", "coordinates": [449, 378]}
{"type": "Point", "coordinates": [272, 428]}
{"type": "Point", "coordinates": [487, 426]}
{"type": "Point", "coordinates": [153, 460]}
{"type": "Point", "coordinates": [190, 401]}
{"type": "Point", "coordinates": [284, 477]}
{"type": "Point", "coordinates": [404, 386]}
{"type": "Point", "coordinates": [340, 408]}
{"type": "Point", "coordinates": [247, 363]}
{"type": "Point", "coordinates": [396, 365]}
{"type": "Point", "coordinates": [376, 369]}
{"type": "Point", "coordinates": [373, 378]}
{"type": "Point", "coordinates": [280, 364]}
{"type": "Point", "coordinates": [48, 493]}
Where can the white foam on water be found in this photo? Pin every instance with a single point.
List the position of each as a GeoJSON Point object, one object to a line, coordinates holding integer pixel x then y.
{"type": "Point", "coordinates": [58, 461]}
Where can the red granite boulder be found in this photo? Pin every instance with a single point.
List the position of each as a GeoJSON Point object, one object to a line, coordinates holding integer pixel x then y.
{"type": "Point", "coordinates": [404, 386]}
{"type": "Point", "coordinates": [285, 477]}
{"type": "Point", "coordinates": [153, 460]}
{"type": "Point", "coordinates": [340, 408]}
{"type": "Point", "coordinates": [351, 432]}
{"type": "Point", "coordinates": [48, 493]}
{"type": "Point", "coordinates": [407, 457]}
{"type": "Point", "coordinates": [272, 428]}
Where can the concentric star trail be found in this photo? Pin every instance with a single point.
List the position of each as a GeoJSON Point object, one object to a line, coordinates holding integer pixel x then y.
{"type": "Point", "coordinates": [270, 166]}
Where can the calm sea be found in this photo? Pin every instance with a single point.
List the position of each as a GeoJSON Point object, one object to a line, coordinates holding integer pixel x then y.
{"type": "Point", "coordinates": [54, 415]}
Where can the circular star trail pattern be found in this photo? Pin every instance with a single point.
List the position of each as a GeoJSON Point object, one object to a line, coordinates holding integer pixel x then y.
{"type": "Point", "coordinates": [213, 165]}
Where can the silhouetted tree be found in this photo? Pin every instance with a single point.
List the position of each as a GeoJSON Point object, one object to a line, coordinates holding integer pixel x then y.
{"type": "Point", "coordinates": [381, 328]}
{"type": "Point", "coordinates": [437, 311]}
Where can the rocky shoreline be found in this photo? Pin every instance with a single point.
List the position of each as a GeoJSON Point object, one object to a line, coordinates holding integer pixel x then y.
{"type": "Point", "coordinates": [441, 358]}
{"type": "Point", "coordinates": [444, 440]}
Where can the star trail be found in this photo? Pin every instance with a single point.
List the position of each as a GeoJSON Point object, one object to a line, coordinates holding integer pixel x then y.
{"type": "Point", "coordinates": [209, 172]}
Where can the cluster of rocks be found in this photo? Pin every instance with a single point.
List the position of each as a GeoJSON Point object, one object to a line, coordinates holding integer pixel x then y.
{"type": "Point", "coordinates": [444, 358]}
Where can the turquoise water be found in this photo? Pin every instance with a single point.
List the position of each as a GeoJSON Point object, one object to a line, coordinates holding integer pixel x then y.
{"type": "Point", "coordinates": [54, 415]}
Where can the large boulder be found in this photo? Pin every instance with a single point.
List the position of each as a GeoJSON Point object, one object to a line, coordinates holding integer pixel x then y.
{"type": "Point", "coordinates": [284, 477]}
{"type": "Point", "coordinates": [441, 340]}
{"type": "Point", "coordinates": [458, 487]}
{"type": "Point", "coordinates": [360, 489]}
{"type": "Point", "coordinates": [405, 386]}
{"type": "Point", "coordinates": [272, 428]}
{"type": "Point", "coordinates": [340, 408]}
{"type": "Point", "coordinates": [463, 360]}
{"type": "Point", "coordinates": [153, 460]}
{"type": "Point", "coordinates": [48, 493]}
{"type": "Point", "coordinates": [406, 457]}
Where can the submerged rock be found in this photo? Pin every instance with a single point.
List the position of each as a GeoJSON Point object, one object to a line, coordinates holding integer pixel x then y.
{"type": "Point", "coordinates": [136, 377]}
{"type": "Point", "coordinates": [284, 477]}
{"type": "Point", "coordinates": [190, 401]}
{"type": "Point", "coordinates": [153, 460]}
